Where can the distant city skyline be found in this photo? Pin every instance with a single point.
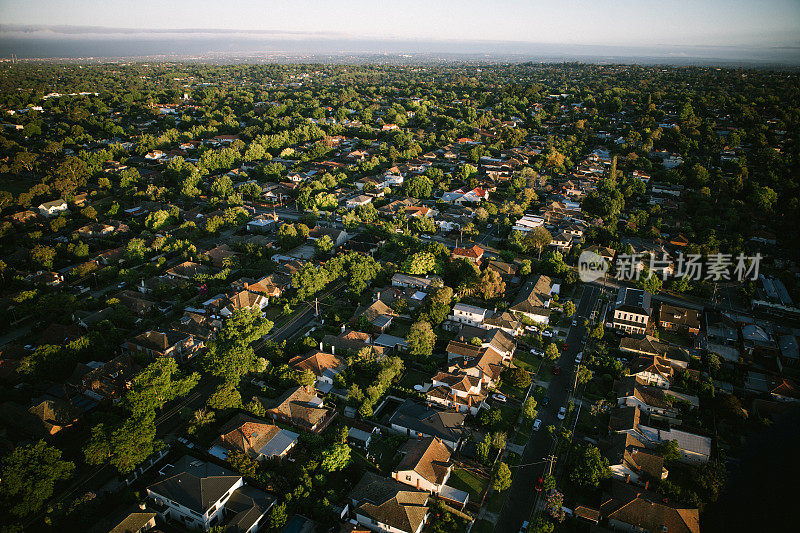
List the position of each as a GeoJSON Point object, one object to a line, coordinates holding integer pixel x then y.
{"type": "Point", "coordinates": [677, 26]}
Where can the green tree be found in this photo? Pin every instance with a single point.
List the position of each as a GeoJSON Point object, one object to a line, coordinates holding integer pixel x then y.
{"type": "Point", "coordinates": [419, 186]}
{"type": "Point", "coordinates": [421, 339]}
{"type": "Point", "coordinates": [569, 309]}
{"type": "Point", "coordinates": [242, 463]}
{"type": "Point", "coordinates": [517, 377]}
{"type": "Point", "coordinates": [590, 468]}
{"type": "Point", "coordinates": [226, 396]}
{"type": "Point", "coordinates": [584, 375]}
{"type": "Point", "coordinates": [323, 245]}
{"type": "Point", "coordinates": [670, 451]}
{"type": "Point", "coordinates": [89, 212]}
{"type": "Point", "coordinates": [438, 305]}
{"type": "Point", "coordinates": [29, 475]}
{"type": "Point", "coordinates": [157, 384]}
{"type": "Point", "coordinates": [483, 449]}
{"type": "Point", "coordinates": [43, 256]}
{"type": "Point", "coordinates": [551, 352]}
{"type": "Point", "coordinates": [335, 458]}
{"type": "Point", "coordinates": [420, 263]}
{"type": "Point", "coordinates": [277, 517]}
{"type": "Point", "coordinates": [490, 285]}
{"type": "Point", "coordinates": [124, 446]}
{"type": "Point", "coordinates": [529, 409]}
{"type": "Point", "coordinates": [501, 477]}
{"type": "Point", "coordinates": [537, 239]}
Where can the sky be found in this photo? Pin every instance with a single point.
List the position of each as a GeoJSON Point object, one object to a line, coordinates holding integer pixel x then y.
{"type": "Point", "coordinates": [642, 23]}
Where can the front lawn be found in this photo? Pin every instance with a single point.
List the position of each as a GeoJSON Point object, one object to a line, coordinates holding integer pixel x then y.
{"type": "Point", "coordinates": [484, 526]}
{"type": "Point", "coordinates": [496, 501]}
{"type": "Point", "coordinates": [468, 482]}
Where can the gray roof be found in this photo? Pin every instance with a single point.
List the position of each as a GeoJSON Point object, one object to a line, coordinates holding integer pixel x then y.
{"type": "Point", "coordinates": [249, 504]}
{"type": "Point", "coordinates": [633, 301]}
{"type": "Point", "coordinates": [195, 484]}
{"type": "Point", "coordinates": [446, 425]}
{"type": "Point", "coordinates": [279, 444]}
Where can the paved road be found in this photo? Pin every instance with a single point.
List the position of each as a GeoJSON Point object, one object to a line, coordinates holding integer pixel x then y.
{"type": "Point", "coordinates": [522, 498]}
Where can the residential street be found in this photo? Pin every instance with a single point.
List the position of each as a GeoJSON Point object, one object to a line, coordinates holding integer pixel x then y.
{"type": "Point", "coordinates": [522, 498]}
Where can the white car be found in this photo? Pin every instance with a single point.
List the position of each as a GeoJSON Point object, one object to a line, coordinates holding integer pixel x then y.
{"type": "Point", "coordinates": [574, 323]}
{"type": "Point", "coordinates": [562, 413]}
{"type": "Point", "coordinates": [537, 353]}
{"type": "Point", "coordinates": [531, 328]}
{"type": "Point", "coordinates": [536, 424]}
{"type": "Point", "coordinates": [547, 333]}
{"type": "Point", "coordinates": [578, 358]}
{"type": "Point", "coordinates": [499, 397]}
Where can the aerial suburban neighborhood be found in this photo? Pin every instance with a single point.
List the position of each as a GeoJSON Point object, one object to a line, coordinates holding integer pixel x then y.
{"type": "Point", "coordinates": [431, 298]}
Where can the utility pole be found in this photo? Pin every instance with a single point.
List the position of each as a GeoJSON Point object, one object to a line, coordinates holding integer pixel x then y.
{"type": "Point", "coordinates": [316, 306]}
{"type": "Point", "coordinates": [550, 460]}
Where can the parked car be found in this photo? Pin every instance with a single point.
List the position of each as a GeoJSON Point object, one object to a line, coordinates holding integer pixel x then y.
{"type": "Point", "coordinates": [578, 358]}
{"type": "Point", "coordinates": [556, 370]}
{"type": "Point", "coordinates": [531, 328]}
{"type": "Point", "coordinates": [536, 424]}
{"type": "Point", "coordinates": [539, 485]}
{"type": "Point", "coordinates": [562, 413]}
{"type": "Point", "coordinates": [574, 323]}
{"type": "Point", "coordinates": [547, 333]}
{"type": "Point", "coordinates": [499, 397]}
{"type": "Point", "coordinates": [546, 401]}
{"type": "Point", "coordinates": [537, 353]}
{"type": "Point", "coordinates": [524, 527]}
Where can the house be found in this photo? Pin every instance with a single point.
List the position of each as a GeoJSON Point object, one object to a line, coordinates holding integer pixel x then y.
{"type": "Point", "coordinates": [418, 282]}
{"type": "Point", "coordinates": [603, 251]}
{"type": "Point", "coordinates": [631, 461]}
{"type": "Point", "coordinates": [721, 335]}
{"type": "Point", "coordinates": [425, 464]}
{"type": "Point", "coordinates": [694, 449]}
{"type": "Point", "coordinates": [243, 300]}
{"type": "Point", "coordinates": [458, 391]}
{"type": "Point", "coordinates": [198, 494]}
{"type": "Point", "coordinates": [653, 370]}
{"type": "Point", "coordinates": [186, 271]}
{"type": "Point", "coordinates": [337, 236]}
{"type": "Point", "coordinates": [106, 381]}
{"type": "Point", "coordinates": [505, 322]}
{"type": "Point", "coordinates": [634, 392]}
{"type": "Point", "coordinates": [413, 419]}
{"type": "Point", "coordinates": [378, 314]}
{"type": "Point", "coordinates": [533, 299]}
{"type": "Point", "coordinates": [468, 314]}
{"type": "Point", "coordinates": [300, 407]}
{"type": "Point", "coordinates": [137, 521]}
{"type": "Point", "coordinates": [173, 343]}
{"type": "Point", "coordinates": [52, 208]}
{"type": "Point", "coordinates": [256, 438]}
{"type": "Point", "coordinates": [350, 342]}
{"type": "Point", "coordinates": [360, 434]}
{"type": "Point", "coordinates": [472, 254]}
{"type": "Point", "coordinates": [630, 509]}
{"type": "Point", "coordinates": [460, 196]}
{"type": "Point", "coordinates": [385, 505]}
{"type": "Point", "coordinates": [325, 366]}
{"type": "Point", "coordinates": [138, 306]}
{"type": "Point", "coordinates": [506, 270]}
{"type": "Point", "coordinates": [527, 223]}
{"type": "Point", "coordinates": [221, 255]}
{"type": "Point", "coordinates": [562, 241]}
{"type": "Point", "coordinates": [675, 318]}
{"type": "Point", "coordinates": [358, 201]}
{"type": "Point", "coordinates": [632, 310]}
{"type": "Point", "coordinates": [262, 224]}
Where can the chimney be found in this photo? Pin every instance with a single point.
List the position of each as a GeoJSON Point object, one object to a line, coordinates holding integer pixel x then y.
{"type": "Point", "coordinates": [378, 296]}
{"type": "Point", "coordinates": [320, 346]}
{"type": "Point", "coordinates": [627, 478]}
{"type": "Point", "coordinates": [142, 506]}
{"type": "Point", "coordinates": [333, 349]}
{"type": "Point", "coordinates": [646, 484]}
{"type": "Point", "coordinates": [343, 328]}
